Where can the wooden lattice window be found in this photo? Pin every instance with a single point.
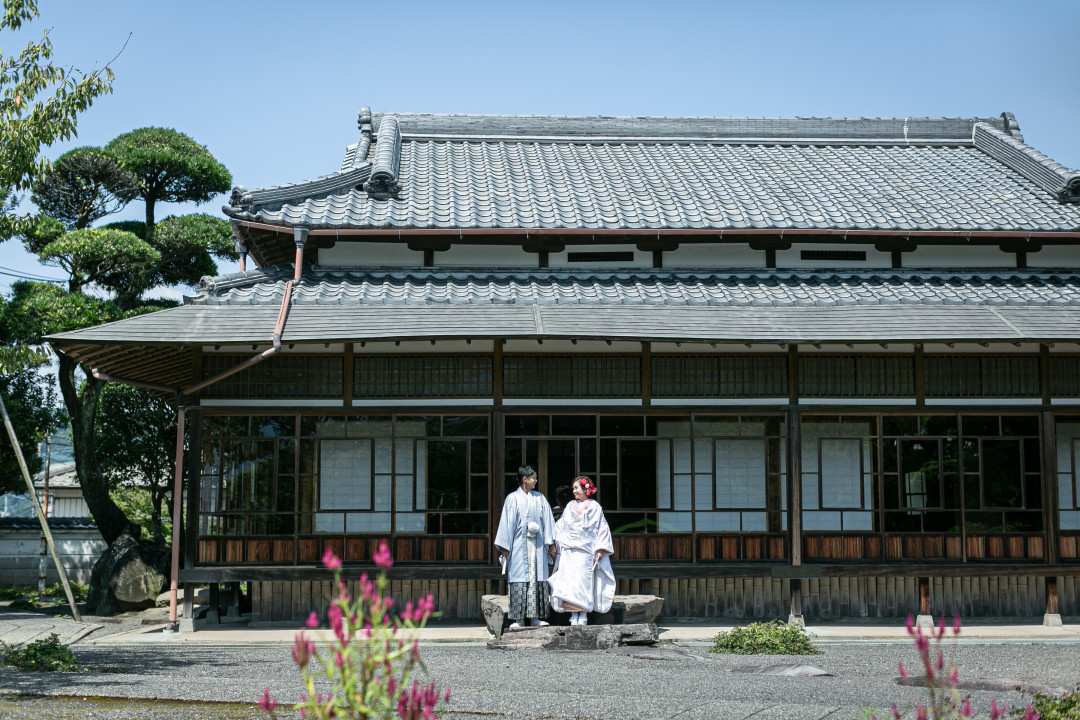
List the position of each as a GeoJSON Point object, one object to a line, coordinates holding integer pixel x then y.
{"type": "Point", "coordinates": [962, 376]}
{"type": "Point", "coordinates": [1065, 375]}
{"type": "Point", "coordinates": [747, 375]}
{"type": "Point", "coordinates": [280, 376]}
{"type": "Point", "coordinates": [579, 376]}
{"type": "Point", "coordinates": [856, 376]}
{"type": "Point", "coordinates": [422, 376]}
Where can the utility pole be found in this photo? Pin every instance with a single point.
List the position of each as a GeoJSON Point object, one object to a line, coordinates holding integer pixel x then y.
{"type": "Point", "coordinates": [38, 511]}
{"type": "Point", "coordinates": [45, 512]}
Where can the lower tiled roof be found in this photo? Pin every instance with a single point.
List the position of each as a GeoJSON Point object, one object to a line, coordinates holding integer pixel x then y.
{"type": "Point", "coordinates": [324, 286]}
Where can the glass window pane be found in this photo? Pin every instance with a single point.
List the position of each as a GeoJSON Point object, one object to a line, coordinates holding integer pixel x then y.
{"type": "Point", "coordinates": [1002, 474]}
{"type": "Point", "coordinates": [740, 473]}
{"type": "Point", "coordinates": [673, 522]}
{"type": "Point", "coordinates": [624, 425]}
{"type": "Point", "coordinates": [573, 425]}
{"type": "Point", "coordinates": [447, 474]}
{"type": "Point", "coordinates": [522, 425]}
{"type": "Point", "coordinates": [987, 426]}
{"type": "Point", "coordinates": [464, 524]}
{"type": "Point", "coordinates": [587, 455]}
{"type": "Point", "coordinates": [841, 472]}
{"type": "Point", "coordinates": [468, 426]}
{"type": "Point", "coordinates": [637, 477]}
{"type": "Point", "coordinates": [478, 492]}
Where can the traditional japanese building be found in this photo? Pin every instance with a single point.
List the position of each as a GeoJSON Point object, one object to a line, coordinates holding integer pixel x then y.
{"type": "Point", "coordinates": [828, 366]}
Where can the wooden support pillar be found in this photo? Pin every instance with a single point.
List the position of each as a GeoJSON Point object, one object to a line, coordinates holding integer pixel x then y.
{"type": "Point", "coordinates": [925, 619]}
{"type": "Point", "coordinates": [189, 602]}
{"type": "Point", "coordinates": [795, 617]}
{"type": "Point", "coordinates": [234, 600]}
{"type": "Point", "coordinates": [213, 615]}
{"type": "Point", "coordinates": [1052, 617]}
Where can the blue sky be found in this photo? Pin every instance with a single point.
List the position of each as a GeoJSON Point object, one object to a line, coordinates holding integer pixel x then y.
{"type": "Point", "coordinates": [273, 88]}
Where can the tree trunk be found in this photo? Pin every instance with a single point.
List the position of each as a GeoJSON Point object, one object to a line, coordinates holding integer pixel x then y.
{"type": "Point", "coordinates": [82, 405]}
{"type": "Point", "coordinates": [149, 202]}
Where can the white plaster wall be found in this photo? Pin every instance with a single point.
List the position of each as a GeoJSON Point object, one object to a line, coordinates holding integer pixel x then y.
{"type": "Point", "coordinates": [792, 258]}
{"type": "Point", "coordinates": [20, 551]}
{"type": "Point", "coordinates": [369, 254]}
{"type": "Point", "coordinates": [560, 261]}
{"type": "Point", "coordinates": [487, 256]}
{"type": "Point", "coordinates": [714, 256]}
{"type": "Point", "coordinates": [1056, 256]}
{"type": "Point", "coordinates": [958, 256]}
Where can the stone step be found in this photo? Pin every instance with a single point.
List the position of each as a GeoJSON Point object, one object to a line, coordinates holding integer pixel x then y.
{"type": "Point", "coordinates": [578, 637]}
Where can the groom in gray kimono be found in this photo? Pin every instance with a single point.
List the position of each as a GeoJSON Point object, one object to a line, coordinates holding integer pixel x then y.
{"type": "Point", "coordinates": [525, 540]}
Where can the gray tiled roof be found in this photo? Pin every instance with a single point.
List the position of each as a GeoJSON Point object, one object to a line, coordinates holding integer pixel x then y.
{"type": "Point", "coordinates": [323, 286]}
{"type": "Point", "coordinates": [483, 171]}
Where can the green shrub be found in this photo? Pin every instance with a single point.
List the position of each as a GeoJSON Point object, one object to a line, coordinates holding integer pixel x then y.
{"type": "Point", "coordinates": [23, 603]}
{"type": "Point", "coordinates": [49, 655]}
{"type": "Point", "coordinates": [1066, 707]}
{"type": "Point", "coordinates": [765, 638]}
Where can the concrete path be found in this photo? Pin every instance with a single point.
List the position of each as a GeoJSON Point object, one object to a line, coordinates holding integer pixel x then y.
{"type": "Point", "coordinates": [682, 633]}
{"type": "Point", "coordinates": [20, 628]}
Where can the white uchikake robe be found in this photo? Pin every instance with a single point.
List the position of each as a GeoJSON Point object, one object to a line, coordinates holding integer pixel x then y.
{"type": "Point", "coordinates": [576, 581]}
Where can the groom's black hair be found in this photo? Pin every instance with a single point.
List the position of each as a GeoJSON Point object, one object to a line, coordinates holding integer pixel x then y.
{"type": "Point", "coordinates": [525, 471]}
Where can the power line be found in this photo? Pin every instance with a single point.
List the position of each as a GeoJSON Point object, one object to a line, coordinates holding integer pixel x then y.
{"type": "Point", "coordinates": [25, 276]}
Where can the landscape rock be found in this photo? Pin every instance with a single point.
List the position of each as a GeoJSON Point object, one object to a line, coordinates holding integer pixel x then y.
{"type": "Point", "coordinates": [129, 575]}
{"type": "Point", "coordinates": [586, 637]}
{"type": "Point", "coordinates": [645, 652]}
{"type": "Point", "coordinates": [625, 610]}
{"type": "Point", "coordinates": [783, 669]}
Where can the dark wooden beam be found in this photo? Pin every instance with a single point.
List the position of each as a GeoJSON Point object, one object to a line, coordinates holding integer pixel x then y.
{"type": "Point", "coordinates": [646, 373]}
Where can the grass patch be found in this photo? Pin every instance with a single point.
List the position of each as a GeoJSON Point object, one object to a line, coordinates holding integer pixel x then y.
{"type": "Point", "coordinates": [1066, 707]}
{"type": "Point", "coordinates": [27, 597]}
{"type": "Point", "coordinates": [49, 655]}
{"type": "Point", "coordinates": [765, 638]}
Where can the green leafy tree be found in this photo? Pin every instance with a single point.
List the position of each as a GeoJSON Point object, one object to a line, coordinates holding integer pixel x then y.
{"type": "Point", "coordinates": [84, 185]}
{"type": "Point", "coordinates": [39, 105]}
{"type": "Point", "coordinates": [104, 257]}
{"type": "Point", "coordinates": [136, 433]}
{"type": "Point", "coordinates": [171, 167]}
{"type": "Point", "coordinates": [31, 403]}
{"type": "Point", "coordinates": [187, 247]}
{"type": "Point", "coordinates": [35, 310]}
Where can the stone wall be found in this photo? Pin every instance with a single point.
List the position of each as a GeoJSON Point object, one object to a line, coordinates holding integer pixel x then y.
{"type": "Point", "coordinates": [20, 550]}
{"type": "Point", "coordinates": [734, 598]}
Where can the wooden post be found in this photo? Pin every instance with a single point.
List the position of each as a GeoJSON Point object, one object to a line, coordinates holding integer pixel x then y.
{"type": "Point", "coordinates": [925, 619]}
{"type": "Point", "coordinates": [795, 617]}
{"type": "Point", "coordinates": [1052, 617]}
{"type": "Point", "coordinates": [178, 493]}
{"type": "Point", "coordinates": [38, 511]}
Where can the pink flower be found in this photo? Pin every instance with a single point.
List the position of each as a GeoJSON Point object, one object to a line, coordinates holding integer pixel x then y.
{"type": "Point", "coordinates": [895, 712]}
{"type": "Point", "coordinates": [939, 664]}
{"type": "Point", "coordinates": [922, 644]}
{"type": "Point", "coordinates": [920, 712]}
{"type": "Point", "coordinates": [956, 624]}
{"type": "Point", "coordinates": [383, 558]}
{"type": "Point", "coordinates": [996, 711]}
{"type": "Point", "coordinates": [446, 697]}
{"type": "Point", "coordinates": [910, 624]}
{"type": "Point", "coordinates": [967, 710]}
{"type": "Point", "coordinates": [313, 620]}
{"type": "Point", "coordinates": [954, 676]}
{"type": "Point", "coordinates": [902, 669]}
{"type": "Point", "coordinates": [336, 624]}
{"type": "Point", "coordinates": [266, 703]}
{"type": "Point", "coordinates": [1030, 714]}
{"type": "Point", "coordinates": [941, 628]}
{"type": "Point", "coordinates": [302, 650]}
{"type": "Point", "coordinates": [330, 560]}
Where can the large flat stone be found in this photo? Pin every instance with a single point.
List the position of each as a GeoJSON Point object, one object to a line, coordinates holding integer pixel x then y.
{"type": "Point", "coordinates": [625, 610]}
{"type": "Point", "coordinates": [586, 637]}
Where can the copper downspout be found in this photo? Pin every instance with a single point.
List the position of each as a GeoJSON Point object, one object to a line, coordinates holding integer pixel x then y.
{"type": "Point", "coordinates": [300, 235]}
{"type": "Point", "coordinates": [178, 491]}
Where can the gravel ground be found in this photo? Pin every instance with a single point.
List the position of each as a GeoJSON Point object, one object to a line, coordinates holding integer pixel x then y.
{"type": "Point", "coordinates": [535, 684]}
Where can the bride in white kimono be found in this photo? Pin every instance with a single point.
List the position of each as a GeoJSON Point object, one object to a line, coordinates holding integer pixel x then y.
{"type": "Point", "coordinates": [583, 582]}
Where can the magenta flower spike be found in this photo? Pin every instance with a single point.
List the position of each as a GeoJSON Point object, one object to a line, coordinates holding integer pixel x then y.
{"type": "Point", "coordinates": [330, 560]}
{"type": "Point", "coordinates": [313, 620]}
{"type": "Point", "coordinates": [383, 558]}
{"type": "Point", "coordinates": [910, 624]}
{"type": "Point", "coordinates": [956, 624]}
{"type": "Point", "coordinates": [902, 670]}
{"type": "Point", "coordinates": [266, 702]}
